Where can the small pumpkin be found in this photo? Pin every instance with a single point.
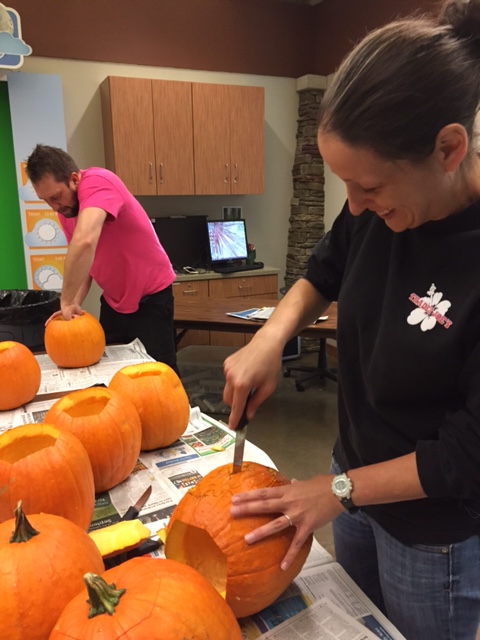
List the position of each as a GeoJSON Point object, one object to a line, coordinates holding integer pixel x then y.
{"type": "Point", "coordinates": [254, 578]}
{"type": "Point", "coordinates": [43, 560]}
{"type": "Point", "coordinates": [160, 399]}
{"type": "Point", "coordinates": [49, 470]}
{"type": "Point", "coordinates": [147, 598]}
{"type": "Point", "coordinates": [20, 375]}
{"type": "Point", "coordinates": [108, 426]}
{"type": "Point", "coordinates": [79, 342]}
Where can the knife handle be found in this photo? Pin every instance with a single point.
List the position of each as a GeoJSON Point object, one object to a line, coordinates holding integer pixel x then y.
{"type": "Point", "coordinates": [130, 514]}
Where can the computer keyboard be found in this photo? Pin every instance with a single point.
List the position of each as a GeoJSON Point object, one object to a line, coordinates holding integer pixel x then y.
{"type": "Point", "coordinates": [238, 267]}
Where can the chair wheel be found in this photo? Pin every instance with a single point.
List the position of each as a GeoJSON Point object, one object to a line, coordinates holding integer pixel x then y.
{"type": "Point", "coordinates": [287, 373]}
{"type": "Point", "coordinates": [299, 387]}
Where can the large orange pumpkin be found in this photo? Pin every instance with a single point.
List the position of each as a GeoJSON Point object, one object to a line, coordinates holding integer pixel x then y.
{"type": "Point", "coordinates": [49, 470]}
{"type": "Point", "coordinates": [160, 399]}
{"type": "Point", "coordinates": [147, 598]}
{"type": "Point", "coordinates": [79, 342]}
{"type": "Point", "coordinates": [253, 575]}
{"type": "Point", "coordinates": [43, 560]}
{"type": "Point", "coordinates": [108, 426]}
{"type": "Point", "coordinates": [19, 375]}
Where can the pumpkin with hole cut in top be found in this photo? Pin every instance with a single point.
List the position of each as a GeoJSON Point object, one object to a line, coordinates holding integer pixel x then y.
{"type": "Point", "coordinates": [49, 470]}
{"type": "Point", "coordinates": [160, 398]}
{"type": "Point", "coordinates": [20, 375]}
{"type": "Point", "coordinates": [108, 426]}
{"type": "Point", "coordinates": [250, 572]}
{"type": "Point", "coordinates": [43, 560]}
{"type": "Point", "coordinates": [147, 598]}
{"type": "Point", "coordinates": [79, 342]}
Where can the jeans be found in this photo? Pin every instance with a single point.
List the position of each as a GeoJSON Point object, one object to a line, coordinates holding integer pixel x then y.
{"type": "Point", "coordinates": [429, 592]}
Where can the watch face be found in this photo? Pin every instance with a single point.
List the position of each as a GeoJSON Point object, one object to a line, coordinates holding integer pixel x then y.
{"type": "Point", "coordinates": [341, 486]}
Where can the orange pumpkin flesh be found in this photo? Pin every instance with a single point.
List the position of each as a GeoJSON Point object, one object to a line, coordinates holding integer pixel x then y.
{"type": "Point", "coordinates": [20, 375]}
{"type": "Point", "coordinates": [254, 578]}
{"type": "Point", "coordinates": [160, 399]}
{"type": "Point", "coordinates": [148, 598]}
{"type": "Point", "coordinates": [49, 470]}
{"type": "Point", "coordinates": [108, 426]}
{"type": "Point", "coordinates": [42, 565]}
{"type": "Point", "coordinates": [79, 342]}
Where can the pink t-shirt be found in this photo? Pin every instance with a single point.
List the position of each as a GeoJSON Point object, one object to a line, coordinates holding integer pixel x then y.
{"type": "Point", "coordinates": [129, 262]}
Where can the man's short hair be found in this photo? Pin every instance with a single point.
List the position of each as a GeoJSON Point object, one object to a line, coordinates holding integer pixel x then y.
{"type": "Point", "coordinates": [50, 160]}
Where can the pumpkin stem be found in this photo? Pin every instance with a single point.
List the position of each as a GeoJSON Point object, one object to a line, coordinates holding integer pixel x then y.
{"type": "Point", "coordinates": [102, 597]}
{"type": "Point", "coordinates": [23, 529]}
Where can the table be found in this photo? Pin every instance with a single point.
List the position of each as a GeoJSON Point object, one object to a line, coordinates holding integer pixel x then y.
{"type": "Point", "coordinates": [211, 314]}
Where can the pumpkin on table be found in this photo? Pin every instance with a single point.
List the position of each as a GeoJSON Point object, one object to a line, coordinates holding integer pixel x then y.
{"type": "Point", "coordinates": [147, 598]}
{"type": "Point", "coordinates": [202, 534]}
{"type": "Point", "coordinates": [49, 470]}
{"type": "Point", "coordinates": [79, 342]}
{"type": "Point", "coordinates": [108, 425]}
{"type": "Point", "coordinates": [43, 560]}
{"type": "Point", "coordinates": [160, 399]}
{"type": "Point", "coordinates": [20, 375]}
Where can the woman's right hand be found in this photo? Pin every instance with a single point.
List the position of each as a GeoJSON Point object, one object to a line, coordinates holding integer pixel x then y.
{"type": "Point", "coordinates": [254, 367]}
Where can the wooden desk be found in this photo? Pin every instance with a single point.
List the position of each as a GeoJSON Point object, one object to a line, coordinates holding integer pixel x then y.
{"type": "Point", "coordinates": [210, 314]}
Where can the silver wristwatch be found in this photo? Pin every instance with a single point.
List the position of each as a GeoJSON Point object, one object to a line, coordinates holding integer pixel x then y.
{"type": "Point", "coordinates": [342, 488]}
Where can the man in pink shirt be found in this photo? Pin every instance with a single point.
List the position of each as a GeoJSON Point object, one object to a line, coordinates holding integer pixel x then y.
{"type": "Point", "coordinates": [112, 241]}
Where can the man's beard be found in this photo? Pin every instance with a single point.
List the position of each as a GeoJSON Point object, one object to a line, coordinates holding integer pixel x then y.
{"type": "Point", "coordinates": [73, 211]}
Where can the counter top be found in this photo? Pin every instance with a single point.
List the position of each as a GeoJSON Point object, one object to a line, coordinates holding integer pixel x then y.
{"type": "Point", "coordinates": [211, 275]}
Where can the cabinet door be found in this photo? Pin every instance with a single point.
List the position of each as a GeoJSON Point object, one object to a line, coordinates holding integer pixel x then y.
{"type": "Point", "coordinates": [173, 126]}
{"type": "Point", "coordinates": [211, 138]}
{"type": "Point", "coordinates": [189, 289]}
{"type": "Point", "coordinates": [246, 139]}
{"type": "Point", "coordinates": [128, 132]}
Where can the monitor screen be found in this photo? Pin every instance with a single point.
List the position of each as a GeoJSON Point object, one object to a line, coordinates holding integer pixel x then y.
{"type": "Point", "coordinates": [227, 240]}
{"type": "Point", "coordinates": [184, 238]}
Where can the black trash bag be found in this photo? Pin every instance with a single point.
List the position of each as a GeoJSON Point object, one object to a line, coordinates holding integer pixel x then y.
{"type": "Point", "coordinates": [23, 314]}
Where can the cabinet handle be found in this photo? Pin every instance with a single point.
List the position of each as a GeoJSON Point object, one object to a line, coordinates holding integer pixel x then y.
{"type": "Point", "coordinates": [235, 173]}
{"type": "Point", "coordinates": [161, 173]}
{"type": "Point", "coordinates": [227, 173]}
{"type": "Point", "coordinates": [150, 172]}
{"type": "Point", "coordinates": [190, 292]}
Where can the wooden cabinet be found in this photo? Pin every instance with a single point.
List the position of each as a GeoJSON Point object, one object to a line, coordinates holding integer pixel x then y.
{"type": "Point", "coordinates": [166, 137]}
{"type": "Point", "coordinates": [148, 134]}
{"type": "Point", "coordinates": [197, 289]}
{"type": "Point", "coordinates": [228, 139]}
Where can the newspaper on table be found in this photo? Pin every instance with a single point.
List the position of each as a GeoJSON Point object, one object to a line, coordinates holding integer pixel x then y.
{"type": "Point", "coordinates": [323, 602]}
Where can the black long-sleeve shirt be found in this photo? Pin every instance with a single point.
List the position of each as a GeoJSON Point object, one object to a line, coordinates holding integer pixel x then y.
{"type": "Point", "coordinates": [409, 361]}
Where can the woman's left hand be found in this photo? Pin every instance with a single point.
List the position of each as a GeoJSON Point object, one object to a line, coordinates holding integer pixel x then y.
{"type": "Point", "coordinates": [309, 505]}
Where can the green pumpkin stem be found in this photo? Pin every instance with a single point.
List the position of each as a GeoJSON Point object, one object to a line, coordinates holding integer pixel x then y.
{"type": "Point", "coordinates": [23, 529]}
{"type": "Point", "coordinates": [102, 597]}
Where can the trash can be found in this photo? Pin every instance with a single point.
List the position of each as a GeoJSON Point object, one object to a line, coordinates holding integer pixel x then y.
{"type": "Point", "coordinates": [23, 315]}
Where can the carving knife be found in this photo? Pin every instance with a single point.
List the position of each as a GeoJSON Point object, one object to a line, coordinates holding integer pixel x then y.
{"type": "Point", "coordinates": [132, 512]}
{"type": "Point", "coordinates": [240, 435]}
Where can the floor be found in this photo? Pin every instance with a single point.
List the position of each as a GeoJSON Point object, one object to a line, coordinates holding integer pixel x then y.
{"type": "Point", "coordinates": [296, 429]}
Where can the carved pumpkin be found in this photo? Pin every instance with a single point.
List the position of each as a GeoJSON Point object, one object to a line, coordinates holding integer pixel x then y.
{"type": "Point", "coordinates": [49, 470]}
{"type": "Point", "coordinates": [43, 560]}
{"type": "Point", "coordinates": [19, 375]}
{"type": "Point", "coordinates": [108, 426]}
{"type": "Point", "coordinates": [252, 572]}
{"type": "Point", "coordinates": [79, 342]}
{"type": "Point", "coordinates": [147, 598]}
{"type": "Point", "coordinates": [160, 399]}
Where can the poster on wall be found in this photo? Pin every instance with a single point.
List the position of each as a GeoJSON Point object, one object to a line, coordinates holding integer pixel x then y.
{"type": "Point", "coordinates": [12, 47]}
{"type": "Point", "coordinates": [36, 106]}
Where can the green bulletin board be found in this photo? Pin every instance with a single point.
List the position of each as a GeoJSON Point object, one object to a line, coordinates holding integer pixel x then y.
{"type": "Point", "coordinates": [12, 259]}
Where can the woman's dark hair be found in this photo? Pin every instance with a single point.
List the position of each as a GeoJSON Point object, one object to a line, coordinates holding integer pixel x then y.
{"type": "Point", "coordinates": [405, 81]}
{"type": "Point", "coordinates": [50, 160]}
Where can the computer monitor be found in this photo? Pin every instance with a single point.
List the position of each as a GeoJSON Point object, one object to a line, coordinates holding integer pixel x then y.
{"type": "Point", "coordinates": [184, 238]}
{"type": "Point", "coordinates": [227, 241]}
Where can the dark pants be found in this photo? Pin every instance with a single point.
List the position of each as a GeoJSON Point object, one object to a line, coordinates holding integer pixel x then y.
{"type": "Point", "coordinates": [152, 324]}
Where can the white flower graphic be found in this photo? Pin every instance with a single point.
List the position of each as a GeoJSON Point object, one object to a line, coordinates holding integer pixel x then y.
{"type": "Point", "coordinates": [433, 305]}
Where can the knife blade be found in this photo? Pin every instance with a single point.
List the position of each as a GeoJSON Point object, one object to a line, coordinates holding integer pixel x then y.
{"type": "Point", "coordinates": [240, 435]}
{"type": "Point", "coordinates": [132, 512]}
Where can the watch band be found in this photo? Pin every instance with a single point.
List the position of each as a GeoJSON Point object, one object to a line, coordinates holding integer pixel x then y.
{"type": "Point", "coordinates": [348, 504]}
{"type": "Point", "coordinates": [342, 488]}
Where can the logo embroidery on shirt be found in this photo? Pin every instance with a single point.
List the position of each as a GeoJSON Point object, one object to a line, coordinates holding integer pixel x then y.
{"type": "Point", "coordinates": [430, 310]}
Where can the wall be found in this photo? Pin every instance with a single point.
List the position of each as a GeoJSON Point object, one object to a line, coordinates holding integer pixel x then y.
{"type": "Point", "coordinates": [266, 215]}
